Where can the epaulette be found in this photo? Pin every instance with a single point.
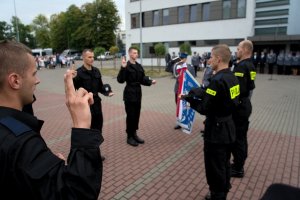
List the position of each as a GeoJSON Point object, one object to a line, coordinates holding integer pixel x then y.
{"type": "Point", "coordinates": [16, 127]}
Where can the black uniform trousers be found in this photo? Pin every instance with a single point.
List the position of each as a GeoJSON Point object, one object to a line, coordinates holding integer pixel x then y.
{"type": "Point", "coordinates": [241, 121]}
{"type": "Point", "coordinates": [133, 111]}
{"type": "Point", "coordinates": [217, 166]}
{"type": "Point", "coordinates": [97, 118]}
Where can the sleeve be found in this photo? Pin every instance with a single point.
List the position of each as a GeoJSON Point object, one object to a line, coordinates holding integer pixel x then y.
{"type": "Point", "coordinates": [48, 175]}
{"type": "Point", "coordinates": [121, 78]}
{"type": "Point", "coordinates": [205, 105]}
{"type": "Point", "coordinates": [76, 81]}
{"type": "Point", "coordinates": [252, 77]}
{"type": "Point", "coordinates": [146, 80]}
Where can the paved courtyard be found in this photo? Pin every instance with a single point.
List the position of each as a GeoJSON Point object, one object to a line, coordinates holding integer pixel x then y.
{"type": "Point", "coordinates": [170, 164]}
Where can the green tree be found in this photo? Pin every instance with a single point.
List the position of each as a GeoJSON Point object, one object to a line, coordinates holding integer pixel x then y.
{"type": "Point", "coordinates": [40, 26]}
{"type": "Point", "coordinates": [5, 30]}
{"type": "Point", "coordinates": [99, 51]}
{"type": "Point", "coordinates": [106, 22]}
{"type": "Point", "coordinates": [59, 39]}
{"type": "Point", "coordinates": [160, 51]}
{"type": "Point", "coordinates": [25, 32]}
{"type": "Point", "coordinates": [113, 50]}
{"type": "Point", "coordinates": [185, 48]}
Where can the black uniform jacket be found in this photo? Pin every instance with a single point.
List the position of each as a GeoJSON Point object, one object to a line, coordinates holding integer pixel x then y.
{"type": "Point", "coordinates": [246, 74]}
{"type": "Point", "coordinates": [29, 170]}
{"type": "Point", "coordinates": [91, 80]}
{"type": "Point", "coordinates": [217, 102]}
{"type": "Point", "coordinates": [134, 76]}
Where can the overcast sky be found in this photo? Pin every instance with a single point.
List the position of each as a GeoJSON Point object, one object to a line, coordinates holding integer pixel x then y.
{"type": "Point", "coordinates": [27, 10]}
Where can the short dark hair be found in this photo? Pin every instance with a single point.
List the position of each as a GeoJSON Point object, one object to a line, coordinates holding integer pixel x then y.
{"type": "Point", "coordinates": [87, 50]}
{"type": "Point", "coordinates": [132, 48]}
{"type": "Point", "coordinates": [223, 51]}
{"type": "Point", "coordinates": [14, 57]}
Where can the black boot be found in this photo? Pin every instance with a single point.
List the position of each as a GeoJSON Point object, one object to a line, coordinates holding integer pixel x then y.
{"type": "Point", "coordinates": [131, 141]}
{"type": "Point", "coordinates": [237, 173]}
{"type": "Point", "coordinates": [138, 139]}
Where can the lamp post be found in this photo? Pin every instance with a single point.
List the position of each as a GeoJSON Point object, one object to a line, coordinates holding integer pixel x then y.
{"type": "Point", "coordinates": [141, 37]}
{"type": "Point", "coordinates": [17, 24]}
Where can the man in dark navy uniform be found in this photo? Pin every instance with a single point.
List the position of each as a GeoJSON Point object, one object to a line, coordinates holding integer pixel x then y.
{"type": "Point", "coordinates": [28, 169]}
{"type": "Point", "coordinates": [89, 78]}
{"type": "Point", "coordinates": [245, 72]}
{"type": "Point", "coordinates": [217, 102]}
{"type": "Point", "coordinates": [133, 74]}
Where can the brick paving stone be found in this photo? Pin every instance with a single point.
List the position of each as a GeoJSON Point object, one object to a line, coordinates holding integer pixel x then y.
{"type": "Point", "coordinates": [171, 160]}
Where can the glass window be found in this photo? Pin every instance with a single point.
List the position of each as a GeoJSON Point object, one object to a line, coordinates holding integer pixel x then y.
{"type": "Point", "coordinates": [193, 13]}
{"type": "Point", "coordinates": [181, 14]}
{"type": "Point", "coordinates": [205, 11]}
{"type": "Point", "coordinates": [241, 8]}
{"type": "Point", "coordinates": [226, 9]}
{"type": "Point", "coordinates": [134, 21]}
{"type": "Point", "coordinates": [165, 16]}
{"type": "Point", "coordinates": [156, 18]}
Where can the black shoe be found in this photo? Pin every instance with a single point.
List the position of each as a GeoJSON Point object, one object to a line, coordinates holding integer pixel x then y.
{"type": "Point", "coordinates": [237, 173]}
{"type": "Point", "coordinates": [102, 158]}
{"type": "Point", "coordinates": [177, 127]}
{"type": "Point", "coordinates": [132, 142]}
{"type": "Point", "coordinates": [138, 139]}
{"type": "Point", "coordinates": [207, 197]}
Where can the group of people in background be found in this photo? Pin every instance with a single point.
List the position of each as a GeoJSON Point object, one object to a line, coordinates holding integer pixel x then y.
{"type": "Point", "coordinates": [286, 63]}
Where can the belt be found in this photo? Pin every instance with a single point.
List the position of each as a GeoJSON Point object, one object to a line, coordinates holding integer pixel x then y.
{"type": "Point", "coordinates": [134, 84]}
{"type": "Point", "coordinates": [223, 119]}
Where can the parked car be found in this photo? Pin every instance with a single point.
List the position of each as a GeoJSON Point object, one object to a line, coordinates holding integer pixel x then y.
{"type": "Point", "coordinates": [105, 56]}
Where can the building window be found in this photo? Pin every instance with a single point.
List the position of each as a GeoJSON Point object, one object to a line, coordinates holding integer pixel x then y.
{"type": "Point", "coordinates": [241, 8]}
{"type": "Point", "coordinates": [271, 31]}
{"type": "Point", "coordinates": [181, 14]}
{"type": "Point", "coordinates": [271, 21]}
{"type": "Point", "coordinates": [166, 16]}
{"type": "Point", "coordinates": [205, 11]}
{"type": "Point", "coordinates": [134, 20]}
{"type": "Point", "coordinates": [272, 3]}
{"type": "Point", "coordinates": [156, 18]}
{"type": "Point", "coordinates": [272, 13]}
{"type": "Point", "coordinates": [193, 13]}
{"type": "Point", "coordinates": [226, 9]}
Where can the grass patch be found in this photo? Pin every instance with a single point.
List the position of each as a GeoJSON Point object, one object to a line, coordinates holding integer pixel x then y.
{"type": "Point", "coordinates": [149, 72]}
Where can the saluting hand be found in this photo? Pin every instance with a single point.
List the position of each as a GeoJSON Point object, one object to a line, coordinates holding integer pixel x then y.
{"type": "Point", "coordinates": [78, 102]}
{"type": "Point", "coordinates": [124, 63]}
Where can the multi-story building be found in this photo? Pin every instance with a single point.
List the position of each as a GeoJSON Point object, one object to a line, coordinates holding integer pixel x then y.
{"type": "Point", "coordinates": [205, 23]}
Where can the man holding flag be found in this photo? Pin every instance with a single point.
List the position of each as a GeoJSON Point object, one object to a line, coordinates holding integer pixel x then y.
{"type": "Point", "coordinates": [217, 102]}
{"type": "Point", "coordinates": [179, 73]}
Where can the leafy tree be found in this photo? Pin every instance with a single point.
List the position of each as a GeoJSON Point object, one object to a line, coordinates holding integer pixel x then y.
{"type": "Point", "coordinates": [113, 50]}
{"type": "Point", "coordinates": [59, 38]}
{"type": "Point", "coordinates": [160, 51]}
{"type": "Point", "coordinates": [5, 30]}
{"type": "Point", "coordinates": [40, 26]}
{"type": "Point", "coordinates": [25, 32]}
{"type": "Point", "coordinates": [97, 52]}
{"type": "Point", "coordinates": [106, 22]}
{"type": "Point", "coordinates": [120, 43]}
{"type": "Point", "coordinates": [185, 48]}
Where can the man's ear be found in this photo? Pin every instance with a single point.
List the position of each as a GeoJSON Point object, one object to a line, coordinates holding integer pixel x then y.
{"type": "Point", "coordinates": [14, 80]}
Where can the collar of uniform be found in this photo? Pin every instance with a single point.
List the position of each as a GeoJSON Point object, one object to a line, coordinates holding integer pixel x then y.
{"type": "Point", "coordinates": [85, 69]}
{"type": "Point", "coordinates": [223, 70]}
{"type": "Point", "coordinates": [23, 117]}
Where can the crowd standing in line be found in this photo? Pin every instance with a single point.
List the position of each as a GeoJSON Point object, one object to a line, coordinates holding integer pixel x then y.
{"type": "Point", "coordinates": [224, 98]}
